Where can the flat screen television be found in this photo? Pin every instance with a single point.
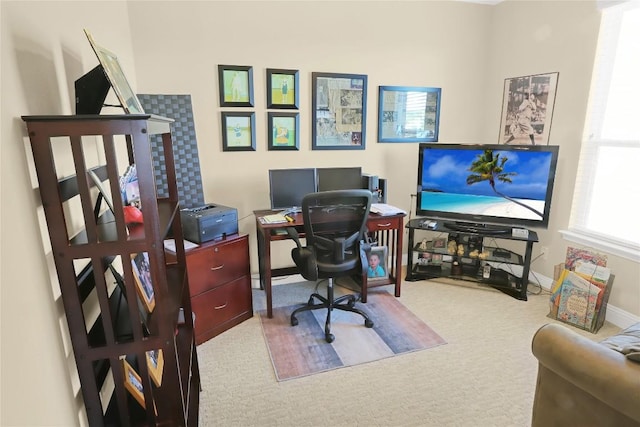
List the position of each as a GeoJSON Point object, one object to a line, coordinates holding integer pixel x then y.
{"type": "Point", "coordinates": [486, 187]}
{"type": "Point", "coordinates": [347, 178]}
{"type": "Point", "coordinates": [287, 187]}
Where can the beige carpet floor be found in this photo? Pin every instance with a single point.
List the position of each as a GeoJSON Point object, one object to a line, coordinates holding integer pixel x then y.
{"type": "Point", "coordinates": [484, 376]}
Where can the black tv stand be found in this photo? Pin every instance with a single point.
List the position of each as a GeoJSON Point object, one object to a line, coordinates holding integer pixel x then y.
{"type": "Point", "coordinates": [476, 257]}
{"type": "Point", "coordinates": [471, 227]}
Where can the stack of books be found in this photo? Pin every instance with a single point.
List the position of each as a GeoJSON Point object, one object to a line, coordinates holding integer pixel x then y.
{"type": "Point", "coordinates": [581, 290]}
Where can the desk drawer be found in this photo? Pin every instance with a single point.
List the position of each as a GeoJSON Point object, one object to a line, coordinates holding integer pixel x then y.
{"type": "Point", "coordinates": [217, 264]}
{"type": "Point", "coordinates": [221, 308]}
{"type": "Point", "coordinates": [384, 223]}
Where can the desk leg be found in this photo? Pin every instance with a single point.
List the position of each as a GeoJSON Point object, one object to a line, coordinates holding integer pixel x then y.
{"type": "Point", "coordinates": [398, 273]}
{"type": "Point", "coordinates": [526, 266]}
{"type": "Point", "coordinates": [264, 265]}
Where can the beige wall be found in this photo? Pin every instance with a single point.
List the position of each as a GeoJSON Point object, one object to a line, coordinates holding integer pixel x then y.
{"type": "Point", "coordinates": [437, 44]}
{"type": "Point", "coordinates": [175, 47]}
{"type": "Point", "coordinates": [530, 37]}
{"type": "Point", "coordinates": [43, 51]}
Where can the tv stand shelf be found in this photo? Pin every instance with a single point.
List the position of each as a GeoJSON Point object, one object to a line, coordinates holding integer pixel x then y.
{"type": "Point", "coordinates": [475, 256]}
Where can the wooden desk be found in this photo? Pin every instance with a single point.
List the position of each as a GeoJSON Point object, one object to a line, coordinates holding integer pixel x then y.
{"type": "Point", "coordinates": [386, 229]}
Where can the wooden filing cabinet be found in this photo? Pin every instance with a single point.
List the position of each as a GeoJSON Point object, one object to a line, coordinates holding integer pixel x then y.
{"type": "Point", "coordinates": [220, 285]}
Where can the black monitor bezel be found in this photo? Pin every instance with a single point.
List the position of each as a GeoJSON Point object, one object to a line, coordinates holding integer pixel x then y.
{"type": "Point", "coordinates": [488, 219]}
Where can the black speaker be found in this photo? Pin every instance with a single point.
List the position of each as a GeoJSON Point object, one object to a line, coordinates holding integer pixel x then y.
{"type": "Point", "coordinates": [370, 182]}
{"type": "Point", "coordinates": [382, 190]}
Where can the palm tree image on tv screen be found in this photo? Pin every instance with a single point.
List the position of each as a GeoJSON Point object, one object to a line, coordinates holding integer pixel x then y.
{"type": "Point", "coordinates": [490, 168]}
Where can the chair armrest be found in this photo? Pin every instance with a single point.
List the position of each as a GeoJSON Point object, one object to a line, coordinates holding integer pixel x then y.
{"type": "Point", "coordinates": [597, 370]}
{"type": "Point", "coordinates": [293, 234]}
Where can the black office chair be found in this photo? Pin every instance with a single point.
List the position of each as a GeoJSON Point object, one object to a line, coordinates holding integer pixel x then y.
{"type": "Point", "coordinates": [334, 226]}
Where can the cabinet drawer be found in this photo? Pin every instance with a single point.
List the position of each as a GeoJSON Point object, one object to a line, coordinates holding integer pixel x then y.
{"type": "Point", "coordinates": [215, 265]}
{"type": "Point", "coordinates": [217, 309]}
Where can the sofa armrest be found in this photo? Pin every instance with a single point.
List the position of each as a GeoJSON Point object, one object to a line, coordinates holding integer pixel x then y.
{"type": "Point", "coordinates": [602, 373]}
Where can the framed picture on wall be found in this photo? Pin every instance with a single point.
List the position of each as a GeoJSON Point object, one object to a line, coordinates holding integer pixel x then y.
{"type": "Point", "coordinates": [339, 111]}
{"type": "Point", "coordinates": [408, 114]}
{"type": "Point", "coordinates": [282, 89]}
{"type": "Point", "coordinates": [283, 131]}
{"type": "Point", "coordinates": [238, 131]}
{"type": "Point", "coordinates": [235, 85]}
{"type": "Point", "coordinates": [527, 109]}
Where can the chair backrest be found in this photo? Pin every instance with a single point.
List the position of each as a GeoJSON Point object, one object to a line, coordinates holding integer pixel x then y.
{"type": "Point", "coordinates": [335, 222]}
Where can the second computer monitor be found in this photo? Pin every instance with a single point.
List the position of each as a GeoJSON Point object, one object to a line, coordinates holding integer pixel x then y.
{"type": "Point", "coordinates": [288, 187]}
{"type": "Point", "coordinates": [339, 178]}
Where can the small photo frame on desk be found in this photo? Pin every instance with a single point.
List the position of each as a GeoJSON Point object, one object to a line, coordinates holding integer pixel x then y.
{"type": "Point", "coordinates": [377, 264]}
{"type": "Point", "coordinates": [339, 111]}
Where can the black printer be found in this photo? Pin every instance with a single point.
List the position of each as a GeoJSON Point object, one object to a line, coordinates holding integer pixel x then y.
{"type": "Point", "coordinates": [208, 222]}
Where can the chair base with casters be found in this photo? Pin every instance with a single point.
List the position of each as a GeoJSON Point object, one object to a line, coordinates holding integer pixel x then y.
{"type": "Point", "coordinates": [345, 303]}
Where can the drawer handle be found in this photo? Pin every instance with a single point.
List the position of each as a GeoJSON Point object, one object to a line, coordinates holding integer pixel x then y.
{"type": "Point", "coordinates": [385, 225]}
{"type": "Point", "coordinates": [217, 268]}
{"type": "Point", "coordinates": [220, 307]}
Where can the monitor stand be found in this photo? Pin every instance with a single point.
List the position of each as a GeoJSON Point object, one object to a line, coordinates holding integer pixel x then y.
{"type": "Point", "coordinates": [291, 210]}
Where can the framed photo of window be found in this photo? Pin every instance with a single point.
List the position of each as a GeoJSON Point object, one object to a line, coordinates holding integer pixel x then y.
{"type": "Point", "coordinates": [339, 111]}
{"type": "Point", "coordinates": [282, 89]}
{"type": "Point", "coordinates": [527, 109]}
{"type": "Point", "coordinates": [377, 264]}
{"type": "Point", "coordinates": [235, 85]}
{"type": "Point", "coordinates": [238, 131]}
{"type": "Point", "coordinates": [408, 114]}
{"type": "Point", "coordinates": [142, 276]}
{"type": "Point", "coordinates": [283, 131]}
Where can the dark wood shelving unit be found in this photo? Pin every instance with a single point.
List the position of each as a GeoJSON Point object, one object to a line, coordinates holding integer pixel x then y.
{"type": "Point", "coordinates": [92, 250]}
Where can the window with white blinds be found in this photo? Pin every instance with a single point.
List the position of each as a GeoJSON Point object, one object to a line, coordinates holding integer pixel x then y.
{"type": "Point", "coordinates": [605, 213]}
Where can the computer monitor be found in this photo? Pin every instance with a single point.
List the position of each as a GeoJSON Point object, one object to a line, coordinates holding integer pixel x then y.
{"type": "Point", "coordinates": [348, 178]}
{"type": "Point", "coordinates": [287, 187]}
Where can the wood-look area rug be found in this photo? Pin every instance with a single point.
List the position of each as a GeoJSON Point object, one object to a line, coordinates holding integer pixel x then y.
{"type": "Point", "coordinates": [301, 350]}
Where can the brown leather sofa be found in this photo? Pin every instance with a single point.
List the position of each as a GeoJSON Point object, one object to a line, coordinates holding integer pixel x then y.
{"type": "Point", "coordinates": [586, 383]}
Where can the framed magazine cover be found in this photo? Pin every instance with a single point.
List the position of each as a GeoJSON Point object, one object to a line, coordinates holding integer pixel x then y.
{"type": "Point", "coordinates": [339, 111]}
{"type": "Point", "coordinates": [527, 109]}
